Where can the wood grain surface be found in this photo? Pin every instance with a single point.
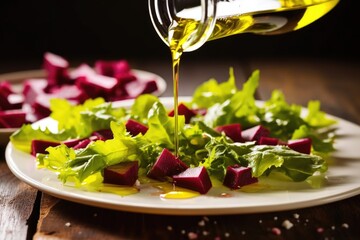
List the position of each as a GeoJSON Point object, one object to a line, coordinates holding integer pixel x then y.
{"type": "Point", "coordinates": [26, 213]}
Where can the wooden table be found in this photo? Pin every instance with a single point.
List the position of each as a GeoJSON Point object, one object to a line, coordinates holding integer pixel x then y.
{"type": "Point", "coordinates": [26, 213]}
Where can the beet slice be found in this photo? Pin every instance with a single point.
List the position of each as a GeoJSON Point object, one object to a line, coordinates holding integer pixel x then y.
{"type": "Point", "coordinates": [302, 145]}
{"type": "Point", "coordinates": [268, 141]}
{"type": "Point", "coordinates": [255, 133]}
{"type": "Point", "coordinates": [56, 68]}
{"type": "Point", "coordinates": [13, 118]}
{"type": "Point", "coordinates": [184, 110]}
{"type": "Point", "coordinates": [134, 127]}
{"type": "Point", "coordinates": [196, 179]}
{"type": "Point", "coordinates": [125, 173]}
{"type": "Point", "coordinates": [39, 146]}
{"type": "Point", "coordinates": [166, 165]}
{"type": "Point", "coordinates": [237, 176]}
{"type": "Point", "coordinates": [233, 131]}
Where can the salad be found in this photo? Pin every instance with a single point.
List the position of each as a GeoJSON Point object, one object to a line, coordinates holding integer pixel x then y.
{"type": "Point", "coordinates": [225, 136]}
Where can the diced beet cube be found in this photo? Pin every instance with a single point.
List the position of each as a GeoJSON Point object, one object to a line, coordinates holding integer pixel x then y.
{"type": "Point", "coordinates": [125, 173]}
{"type": "Point", "coordinates": [40, 146]}
{"type": "Point", "coordinates": [111, 68]}
{"type": "Point", "coordinates": [268, 141]}
{"type": "Point", "coordinates": [233, 131]}
{"type": "Point", "coordinates": [83, 70]}
{"type": "Point", "coordinates": [302, 145]}
{"type": "Point", "coordinates": [72, 142]}
{"type": "Point", "coordinates": [166, 165]}
{"type": "Point", "coordinates": [41, 106]}
{"type": "Point", "coordinates": [136, 88]}
{"type": "Point", "coordinates": [150, 87]}
{"type": "Point", "coordinates": [8, 98]}
{"type": "Point", "coordinates": [33, 88]}
{"type": "Point", "coordinates": [103, 134]}
{"type": "Point", "coordinates": [184, 110]}
{"type": "Point", "coordinates": [4, 124]}
{"type": "Point", "coordinates": [69, 92]}
{"type": "Point", "coordinates": [254, 133]}
{"type": "Point", "coordinates": [125, 78]}
{"type": "Point", "coordinates": [97, 85]}
{"type": "Point", "coordinates": [13, 118]}
{"type": "Point", "coordinates": [56, 68]}
{"type": "Point", "coordinates": [5, 88]}
{"type": "Point", "coordinates": [82, 144]}
{"type": "Point", "coordinates": [237, 177]}
{"type": "Point", "coordinates": [196, 179]}
{"type": "Point", "coordinates": [135, 127]}
{"type": "Point", "coordinates": [15, 100]}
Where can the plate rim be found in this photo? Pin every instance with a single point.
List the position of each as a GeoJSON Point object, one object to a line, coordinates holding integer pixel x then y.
{"type": "Point", "coordinates": [178, 210]}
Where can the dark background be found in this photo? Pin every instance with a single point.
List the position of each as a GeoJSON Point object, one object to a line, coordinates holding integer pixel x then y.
{"type": "Point", "coordinates": [113, 29]}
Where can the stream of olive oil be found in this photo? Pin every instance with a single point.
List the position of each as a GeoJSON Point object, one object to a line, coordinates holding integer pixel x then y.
{"type": "Point", "coordinates": [286, 16]}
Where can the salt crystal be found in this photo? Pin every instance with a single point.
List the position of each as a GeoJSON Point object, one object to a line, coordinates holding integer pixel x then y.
{"type": "Point", "coordinates": [67, 224]}
{"type": "Point", "coordinates": [345, 225]}
{"type": "Point", "coordinates": [287, 224]}
{"type": "Point", "coordinates": [296, 215]}
{"type": "Point", "coordinates": [169, 228]}
{"type": "Point", "coordinates": [192, 235]}
{"type": "Point", "coordinates": [205, 233]}
{"type": "Point", "coordinates": [201, 223]}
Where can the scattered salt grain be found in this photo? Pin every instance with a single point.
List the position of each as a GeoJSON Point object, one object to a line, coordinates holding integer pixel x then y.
{"type": "Point", "coordinates": [95, 214]}
{"type": "Point", "coordinates": [275, 218]}
{"type": "Point", "coordinates": [243, 232]}
{"type": "Point", "coordinates": [183, 231]}
{"type": "Point", "coordinates": [260, 221]}
{"type": "Point", "coordinates": [192, 235]}
{"type": "Point", "coordinates": [169, 228]}
{"type": "Point", "coordinates": [276, 231]}
{"type": "Point", "coordinates": [67, 224]}
{"type": "Point", "coordinates": [227, 234]}
{"type": "Point", "coordinates": [201, 223]}
{"type": "Point", "coordinates": [296, 215]}
{"type": "Point", "coordinates": [137, 183]}
{"type": "Point", "coordinates": [333, 227]}
{"type": "Point", "coordinates": [205, 233]}
{"type": "Point", "coordinates": [345, 225]}
{"type": "Point", "coordinates": [320, 230]}
{"type": "Point", "coordinates": [206, 219]}
{"type": "Point", "coordinates": [287, 224]}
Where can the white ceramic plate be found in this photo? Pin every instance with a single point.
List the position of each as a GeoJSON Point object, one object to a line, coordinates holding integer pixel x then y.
{"type": "Point", "coordinates": [17, 78]}
{"type": "Point", "coordinates": [343, 181]}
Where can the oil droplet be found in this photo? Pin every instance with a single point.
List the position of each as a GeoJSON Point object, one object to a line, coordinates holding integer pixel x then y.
{"type": "Point", "coordinates": [170, 191]}
{"type": "Point", "coordinates": [117, 189]}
